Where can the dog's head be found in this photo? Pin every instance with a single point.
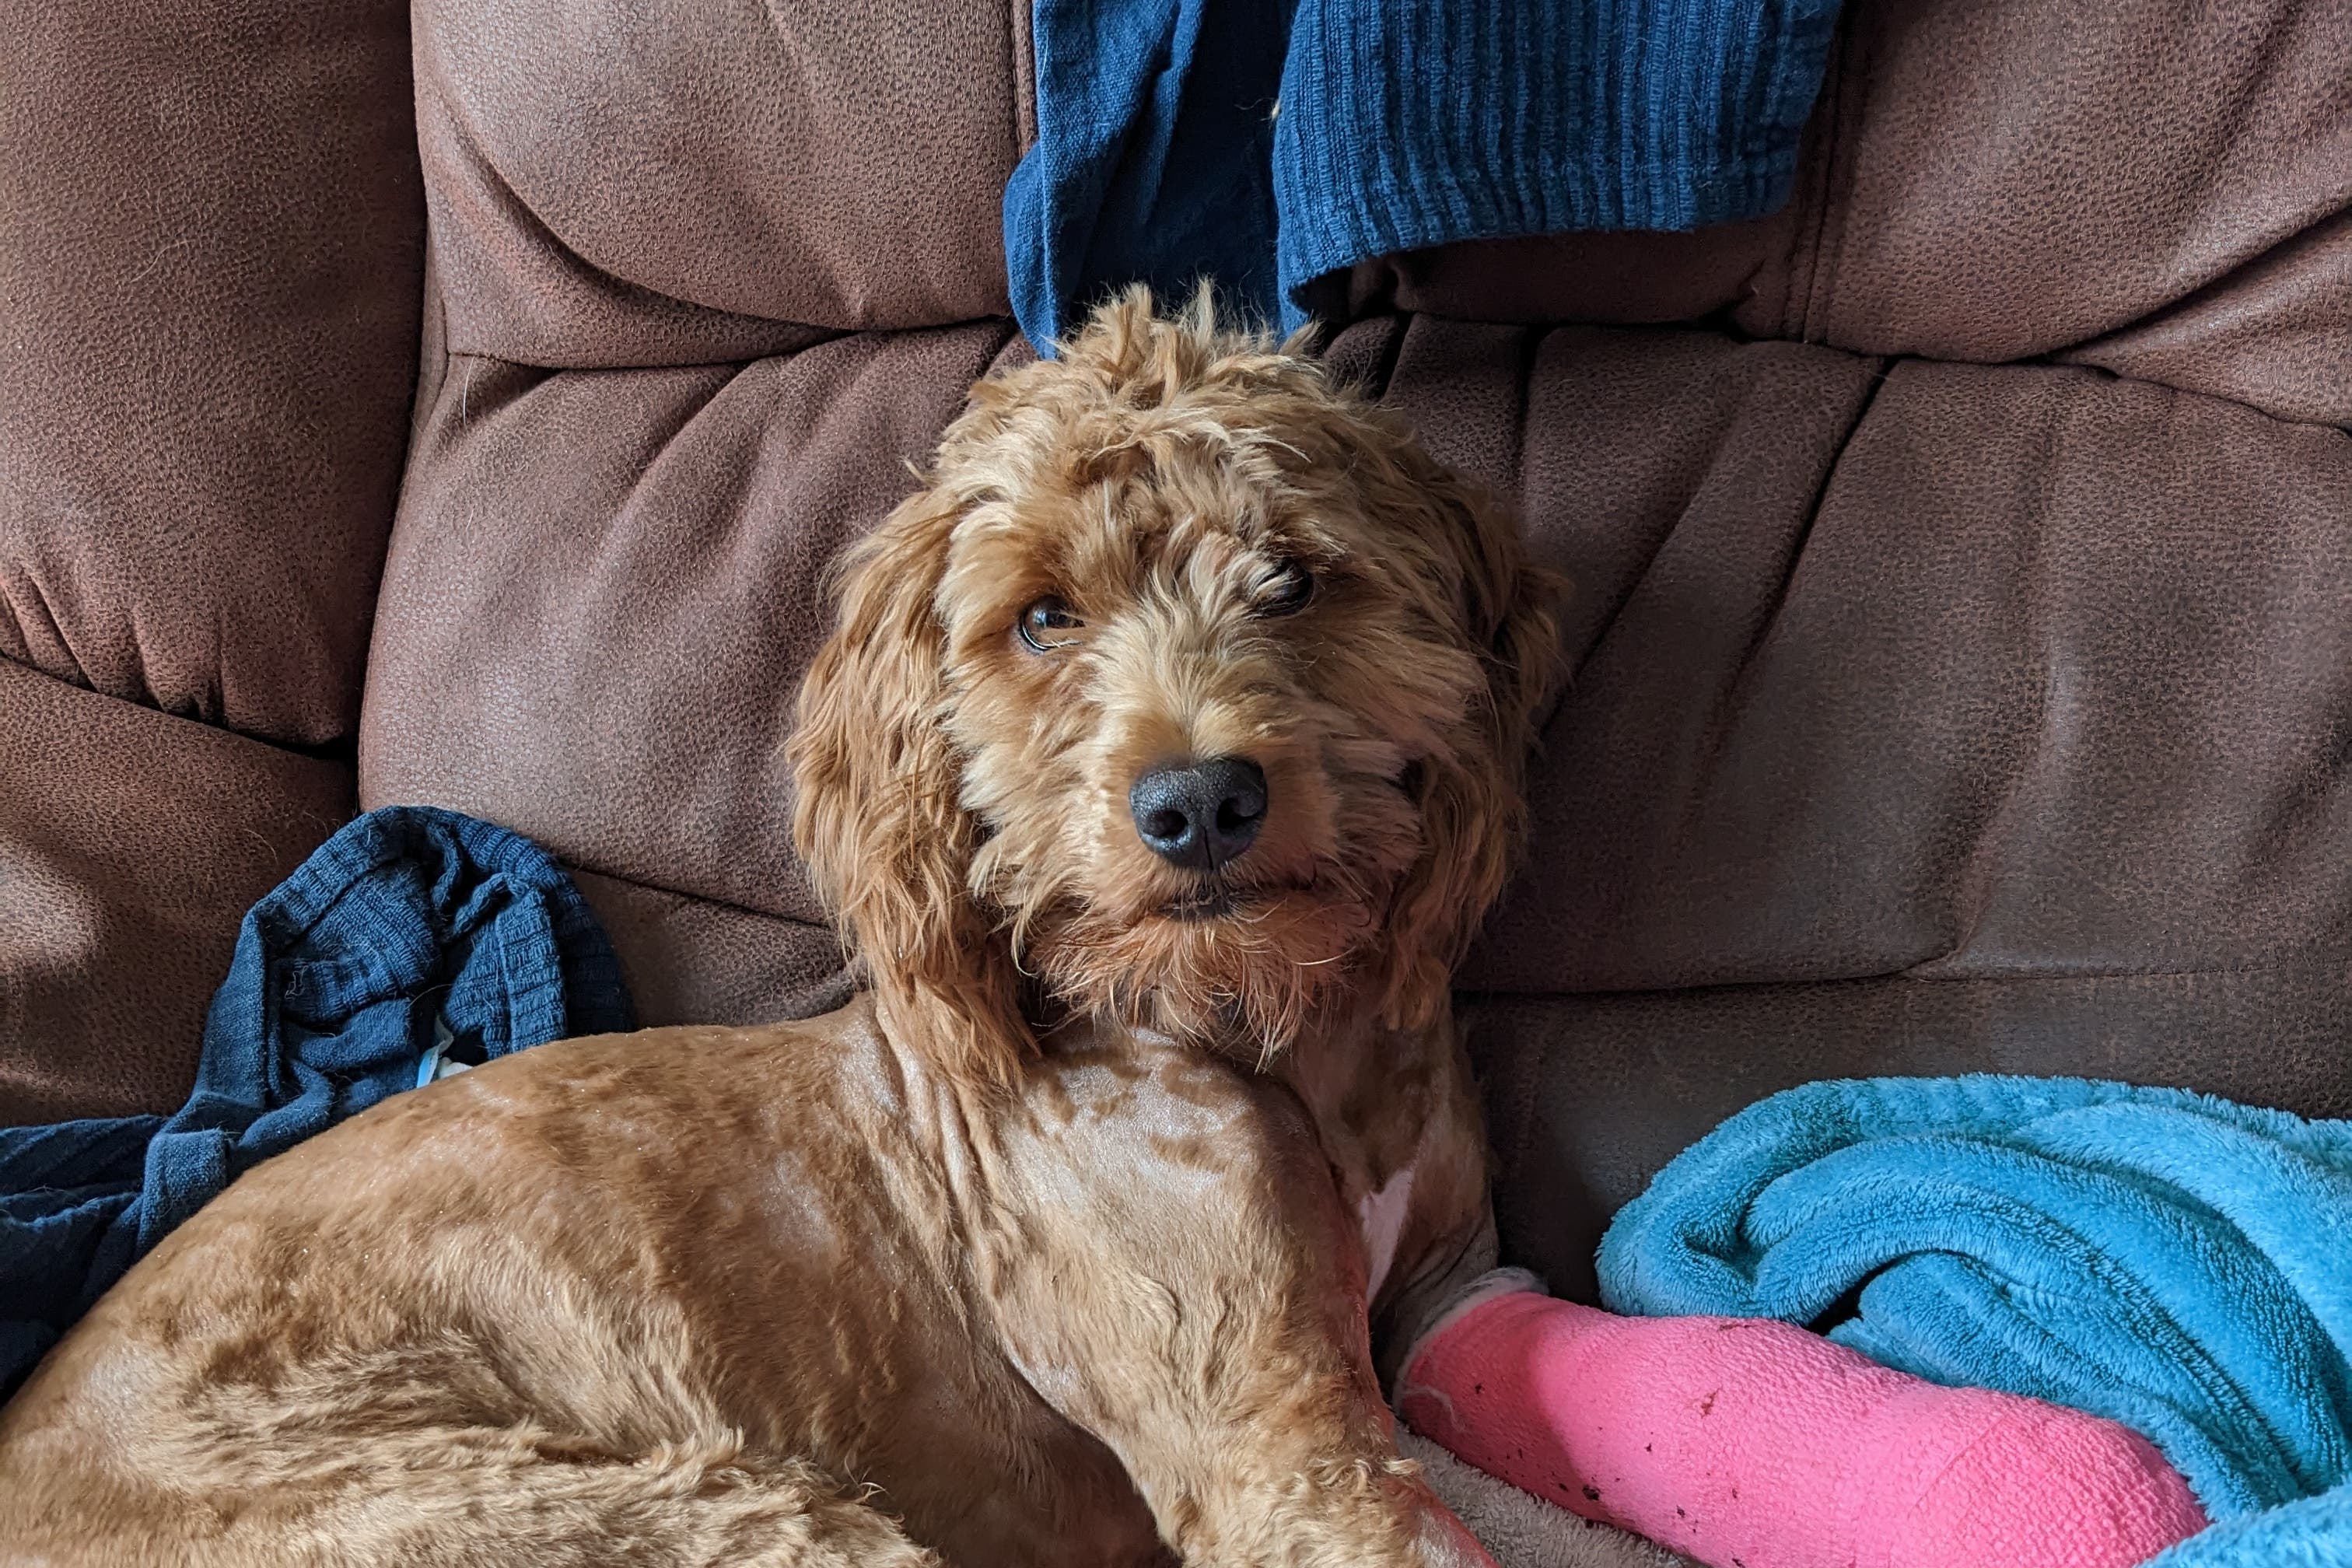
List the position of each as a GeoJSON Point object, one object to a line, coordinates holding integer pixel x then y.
{"type": "Point", "coordinates": [1190, 691]}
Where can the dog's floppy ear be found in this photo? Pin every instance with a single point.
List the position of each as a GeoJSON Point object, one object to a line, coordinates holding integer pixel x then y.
{"type": "Point", "coordinates": [877, 816]}
{"type": "Point", "coordinates": [1473, 799]}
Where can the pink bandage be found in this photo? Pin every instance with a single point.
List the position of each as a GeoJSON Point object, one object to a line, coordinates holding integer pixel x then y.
{"type": "Point", "coordinates": [1752, 1444]}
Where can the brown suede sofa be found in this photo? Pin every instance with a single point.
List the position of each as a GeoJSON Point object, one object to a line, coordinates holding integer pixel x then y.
{"type": "Point", "coordinates": [459, 404]}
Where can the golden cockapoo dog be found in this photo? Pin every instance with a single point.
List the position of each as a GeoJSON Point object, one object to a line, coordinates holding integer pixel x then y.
{"type": "Point", "coordinates": [1167, 753]}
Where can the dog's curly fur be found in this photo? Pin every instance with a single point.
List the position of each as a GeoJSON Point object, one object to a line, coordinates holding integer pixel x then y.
{"type": "Point", "coordinates": [964, 801]}
{"type": "Point", "coordinates": [1055, 1248]}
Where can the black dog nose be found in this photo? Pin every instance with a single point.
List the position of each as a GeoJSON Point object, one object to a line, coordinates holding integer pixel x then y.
{"type": "Point", "coordinates": [1202, 814]}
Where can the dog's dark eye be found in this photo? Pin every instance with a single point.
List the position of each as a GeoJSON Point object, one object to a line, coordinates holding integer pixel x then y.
{"type": "Point", "coordinates": [1292, 588]}
{"type": "Point", "coordinates": [1043, 623]}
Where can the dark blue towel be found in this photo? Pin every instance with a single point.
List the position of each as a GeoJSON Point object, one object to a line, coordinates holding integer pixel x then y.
{"type": "Point", "coordinates": [410, 934]}
{"type": "Point", "coordinates": [1160, 156]}
{"type": "Point", "coordinates": [2166, 1259]}
{"type": "Point", "coordinates": [1154, 155]}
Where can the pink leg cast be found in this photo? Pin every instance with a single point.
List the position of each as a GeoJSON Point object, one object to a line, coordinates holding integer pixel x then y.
{"type": "Point", "coordinates": [1752, 1444]}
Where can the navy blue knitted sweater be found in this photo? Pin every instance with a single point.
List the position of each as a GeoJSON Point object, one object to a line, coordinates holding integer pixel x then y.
{"type": "Point", "coordinates": [1265, 143]}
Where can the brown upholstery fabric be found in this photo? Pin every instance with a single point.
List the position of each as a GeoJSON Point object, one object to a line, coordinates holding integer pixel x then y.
{"type": "Point", "coordinates": [606, 580]}
{"type": "Point", "coordinates": [209, 281]}
{"type": "Point", "coordinates": [2276, 334]}
{"type": "Point", "coordinates": [1927, 718]}
{"type": "Point", "coordinates": [621, 183]}
{"type": "Point", "coordinates": [603, 590]}
{"type": "Point", "coordinates": [130, 845]}
{"type": "Point", "coordinates": [651, 412]}
{"type": "Point", "coordinates": [210, 233]}
{"type": "Point", "coordinates": [695, 960]}
{"type": "Point", "coordinates": [2042, 630]}
{"type": "Point", "coordinates": [2009, 178]}
{"type": "Point", "coordinates": [2161, 192]}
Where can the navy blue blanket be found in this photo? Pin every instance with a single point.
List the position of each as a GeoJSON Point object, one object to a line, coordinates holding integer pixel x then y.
{"type": "Point", "coordinates": [2165, 1259]}
{"type": "Point", "coordinates": [1161, 154]}
{"type": "Point", "coordinates": [410, 936]}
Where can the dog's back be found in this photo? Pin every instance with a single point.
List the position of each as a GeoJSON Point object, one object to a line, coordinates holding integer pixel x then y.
{"type": "Point", "coordinates": [521, 1316]}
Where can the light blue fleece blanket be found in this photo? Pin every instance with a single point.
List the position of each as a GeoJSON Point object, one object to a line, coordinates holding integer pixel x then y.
{"type": "Point", "coordinates": [2168, 1261]}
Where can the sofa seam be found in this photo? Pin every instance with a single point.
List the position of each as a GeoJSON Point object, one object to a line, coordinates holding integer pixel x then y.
{"type": "Point", "coordinates": [1848, 105]}
{"type": "Point", "coordinates": [2316, 964]}
{"type": "Point", "coordinates": [1727, 707]}
{"type": "Point", "coordinates": [731, 906]}
{"type": "Point", "coordinates": [1020, 47]}
{"type": "Point", "coordinates": [295, 750]}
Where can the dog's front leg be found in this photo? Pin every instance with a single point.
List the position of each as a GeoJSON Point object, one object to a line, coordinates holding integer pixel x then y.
{"type": "Point", "coordinates": [1397, 1114]}
{"type": "Point", "coordinates": [1171, 1269]}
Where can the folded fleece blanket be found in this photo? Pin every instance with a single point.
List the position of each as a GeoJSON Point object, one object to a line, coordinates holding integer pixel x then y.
{"type": "Point", "coordinates": [410, 936]}
{"type": "Point", "coordinates": [1162, 155]}
{"type": "Point", "coordinates": [2171, 1261]}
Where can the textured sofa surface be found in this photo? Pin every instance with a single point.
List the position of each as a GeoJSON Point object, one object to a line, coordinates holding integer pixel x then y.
{"type": "Point", "coordinates": [459, 405]}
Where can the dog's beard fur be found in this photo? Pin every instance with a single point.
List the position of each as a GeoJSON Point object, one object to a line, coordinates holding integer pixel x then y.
{"type": "Point", "coordinates": [1242, 959]}
{"type": "Point", "coordinates": [1243, 982]}
{"type": "Point", "coordinates": [964, 797]}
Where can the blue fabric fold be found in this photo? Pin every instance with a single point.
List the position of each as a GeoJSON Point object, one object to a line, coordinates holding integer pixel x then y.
{"type": "Point", "coordinates": [411, 932]}
{"type": "Point", "coordinates": [1153, 161]}
{"type": "Point", "coordinates": [2168, 1261]}
{"type": "Point", "coordinates": [1162, 154]}
{"type": "Point", "coordinates": [1415, 125]}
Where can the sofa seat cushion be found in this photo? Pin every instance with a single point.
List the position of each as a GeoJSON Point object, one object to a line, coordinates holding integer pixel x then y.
{"type": "Point", "coordinates": [602, 589]}
{"type": "Point", "coordinates": [1927, 716]}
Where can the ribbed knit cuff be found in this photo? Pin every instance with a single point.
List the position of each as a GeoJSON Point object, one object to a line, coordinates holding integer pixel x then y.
{"type": "Point", "coordinates": [1404, 126]}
